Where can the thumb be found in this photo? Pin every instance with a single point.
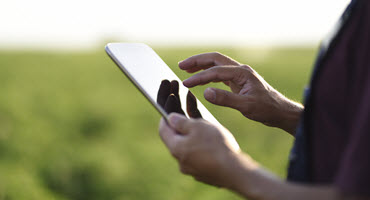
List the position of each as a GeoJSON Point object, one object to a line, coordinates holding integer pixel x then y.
{"type": "Point", "coordinates": [223, 98]}
{"type": "Point", "coordinates": [179, 122]}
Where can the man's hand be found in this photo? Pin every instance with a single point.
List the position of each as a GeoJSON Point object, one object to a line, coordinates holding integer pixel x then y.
{"type": "Point", "coordinates": [203, 150]}
{"type": "Point", "coordinates": [251, 94]}
{"type": "Point", "coordinates": [210, 154]}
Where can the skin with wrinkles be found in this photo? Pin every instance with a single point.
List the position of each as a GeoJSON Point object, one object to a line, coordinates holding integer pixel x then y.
{"type": "Point", "coordinates": [250, 93]}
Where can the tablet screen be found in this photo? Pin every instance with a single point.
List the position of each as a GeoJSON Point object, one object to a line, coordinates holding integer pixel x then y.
{"type": "Point", "coordinates": [146, 70]}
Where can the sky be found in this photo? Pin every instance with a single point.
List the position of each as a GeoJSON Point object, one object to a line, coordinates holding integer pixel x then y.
{"type": "Point", "coordinates": [86, 24]}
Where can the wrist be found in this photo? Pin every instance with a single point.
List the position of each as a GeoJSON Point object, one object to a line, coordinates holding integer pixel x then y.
{"type": "Point", "coordinates": [240, 167]}
{"type": "Point", "coordinates": [289, 114]}
{"type": "Point", "coordinates": [291, 117]}
{"type": "Point", "coordinates": [252, 181]}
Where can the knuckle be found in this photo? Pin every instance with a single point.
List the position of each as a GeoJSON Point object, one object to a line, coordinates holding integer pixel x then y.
{"type": "Point", "coordinates": [249, 71]}
{"type": "Point", "coordinates": [217, 54]}
{"type": "Point", "coordinates": [221, 97]}
{"type": "Point", "coordinates": [243, 71]}
{"type": "Point", "coordinates": [213, 70]}
{"type": "Point", "coordinates": [246, 70]}
{"type": "Point", "coordinates": [198, 78]}
{"type": "Point", "coordinates": [247, 67]}
{"type": "Point", "coordinates": [240, 76]}
{"type": "Point", "coordinates": [218, 72]}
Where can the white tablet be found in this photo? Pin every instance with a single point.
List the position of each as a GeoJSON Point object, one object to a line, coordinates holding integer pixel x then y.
{"type": "Point", "coordinates": [146, 70]}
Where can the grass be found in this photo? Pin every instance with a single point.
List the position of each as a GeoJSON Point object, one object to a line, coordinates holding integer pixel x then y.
{"type": "Point", "coordinates": [72, 126]}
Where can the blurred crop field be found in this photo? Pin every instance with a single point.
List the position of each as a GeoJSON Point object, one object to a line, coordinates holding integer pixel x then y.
{"type": "Point", "coordinates": [72, 126]}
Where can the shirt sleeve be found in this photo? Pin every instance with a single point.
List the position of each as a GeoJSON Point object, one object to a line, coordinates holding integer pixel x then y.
{"type": "Point", "coordinates": [353, 177]}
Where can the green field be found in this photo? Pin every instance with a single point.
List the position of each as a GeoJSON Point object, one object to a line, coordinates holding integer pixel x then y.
{"type": "Point", "coordinates": [72, 126]}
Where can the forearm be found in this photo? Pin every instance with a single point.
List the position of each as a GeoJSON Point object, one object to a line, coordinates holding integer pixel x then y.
{"type": "Point", "coordinates": [253, 182]}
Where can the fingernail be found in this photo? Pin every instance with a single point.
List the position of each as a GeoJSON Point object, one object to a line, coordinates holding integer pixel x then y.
{"type": "Point", "coordinates": [210, 94]}
{"type": "Point", "coordinates": [179, 63]}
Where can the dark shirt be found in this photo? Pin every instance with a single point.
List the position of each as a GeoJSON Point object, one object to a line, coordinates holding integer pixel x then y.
{"type": "Point", "coordinates": [340, 110]}
{"type": "Point", "coordinates": [332, 140]}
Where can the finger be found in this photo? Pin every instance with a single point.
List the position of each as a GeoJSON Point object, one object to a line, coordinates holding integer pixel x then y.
{"type": "Point", "coordinates": [163, 92]}
{"type": "Point", "coordinates": [173, 105]}
{"type": "Point", "coordinates": [170, 138]}
{"type": "Point", "coordinates": [224, 98]}
{"type": "Point", "coordinates": [195, 69]}
{"type": "Point", "coordinates": [180, 123]}
{"type": "Point", "coordinates": [191, 106]}
{"type": "Point", "coordinates": [206, 60]}
{"type": "Point", "coordinates": [216, 74]}
{"type": "Point", "coordinates": [175, 88]}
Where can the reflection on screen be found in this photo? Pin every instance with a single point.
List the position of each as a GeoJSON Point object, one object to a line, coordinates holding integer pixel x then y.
{"type": "Point", "coordinates": [147, 70]}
